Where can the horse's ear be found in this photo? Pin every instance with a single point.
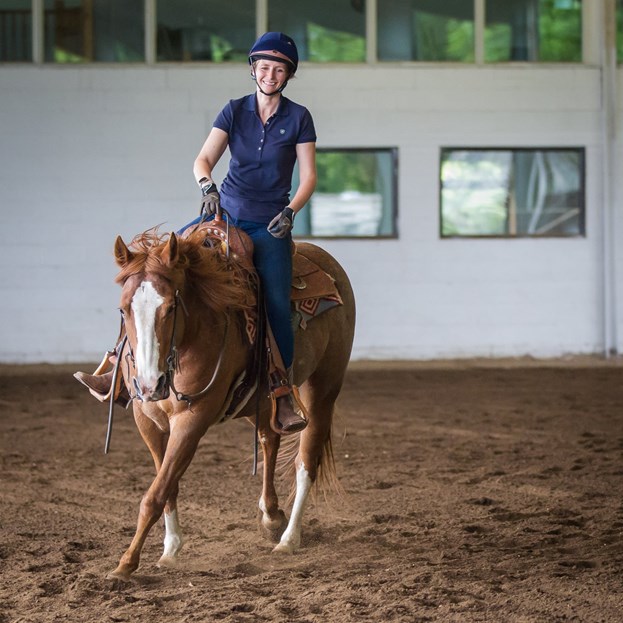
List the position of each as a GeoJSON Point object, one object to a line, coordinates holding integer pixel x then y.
{"type": "Point", "coordinates": [123, 255]}
{"type": "Point", "coordinates": [170, 254]}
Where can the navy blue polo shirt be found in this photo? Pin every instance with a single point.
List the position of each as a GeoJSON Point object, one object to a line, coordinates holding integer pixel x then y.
{"type": "Point", "coordinates": [258, 183]}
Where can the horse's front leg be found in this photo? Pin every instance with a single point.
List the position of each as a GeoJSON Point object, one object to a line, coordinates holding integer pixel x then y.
{"type": "Point", "coordinates": [156, 439]}
{"type": "Point", "coordinates": [272, 520]}
{"type": "Point", "coordinates": [180, 449]}
{"type": "Point", "coordinates": [173, 537]}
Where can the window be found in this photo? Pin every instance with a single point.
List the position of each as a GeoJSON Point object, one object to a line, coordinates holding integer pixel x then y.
{"type": "Point", "coordinates": [205, 30]}
{"type": "Point", "coordinates": [512, 192]}
{"type": "Point", "coordinates": [15, 30]}
{"type": "Point", "coordinates": [533, 30]}
{"type": "Point", "coordinates": [355, 196]}
{"type": "Point", "coordinates": [324, 30]}
{"type": "Point", "coordinates": [425, 30]}
{"type": "Point", "coordinates": [94, 30]}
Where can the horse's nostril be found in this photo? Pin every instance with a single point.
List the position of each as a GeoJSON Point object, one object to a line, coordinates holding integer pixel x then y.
{"type": "Point", "coordinates": [161, 385]}
{"type": "Point", "coordinates": [151, 391]}
{"type": "Point", "coordinates": [139, 394]}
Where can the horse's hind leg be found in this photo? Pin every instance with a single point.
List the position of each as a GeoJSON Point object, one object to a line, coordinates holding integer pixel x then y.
{"type": "Point", "coordinates": [272, 520]}
{"type": "Point", "coordinates": [313, 440]}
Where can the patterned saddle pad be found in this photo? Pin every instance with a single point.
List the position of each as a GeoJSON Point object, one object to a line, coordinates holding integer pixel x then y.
{"type": "Point", "coordinates": [313, 290]}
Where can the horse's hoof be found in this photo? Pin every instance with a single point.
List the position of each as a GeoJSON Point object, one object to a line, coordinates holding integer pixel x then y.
{"type": "Point", "coordinates": [284, 548]}
{"type": "Point", "coordinates": [272, 529]}
{"type": "Point", "coordinates": [168, 561]}
{"type": "Point", "coordinates": [120, 573]}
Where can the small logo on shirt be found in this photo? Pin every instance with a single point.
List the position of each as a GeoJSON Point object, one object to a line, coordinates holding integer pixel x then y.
{"type": "Point", "coordinates": [282, 131]}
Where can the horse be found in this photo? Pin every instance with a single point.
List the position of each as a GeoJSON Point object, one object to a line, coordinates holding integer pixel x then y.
{"type": "Point", "coordinates": [183, 305]}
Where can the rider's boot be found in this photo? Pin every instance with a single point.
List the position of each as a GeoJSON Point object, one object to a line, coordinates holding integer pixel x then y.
{"type": "Point", "coordinates": [98, 384]}
{"type": "Point", "coordinates": [285, 419]}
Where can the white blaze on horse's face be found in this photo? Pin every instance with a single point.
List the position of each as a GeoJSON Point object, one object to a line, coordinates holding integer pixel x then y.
{"type": "Point", "coordinates": [145, 303]}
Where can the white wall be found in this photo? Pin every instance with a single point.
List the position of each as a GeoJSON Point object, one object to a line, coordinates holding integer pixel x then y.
{"type": "Point", "coordinates": [90, 152]}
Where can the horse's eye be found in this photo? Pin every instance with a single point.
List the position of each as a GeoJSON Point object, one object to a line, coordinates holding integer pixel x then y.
{"type": "Point", "coordinates": [170, 310]}
{"type": "Point", "coordinates": [121, 311]}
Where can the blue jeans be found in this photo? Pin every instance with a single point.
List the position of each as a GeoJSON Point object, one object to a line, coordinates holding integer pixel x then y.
{"type": "Point", "coordinates": [273, 261]}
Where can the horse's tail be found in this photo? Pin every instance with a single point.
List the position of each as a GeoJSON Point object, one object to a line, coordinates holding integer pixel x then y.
{"type": "Point", "coordinates": [327, 481]}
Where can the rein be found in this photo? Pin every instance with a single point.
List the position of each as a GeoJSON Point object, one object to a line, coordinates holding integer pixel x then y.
{"type": "Point", "coordinates": [111, 406]}
{"type": "Point", "coordinates": [173, 358]}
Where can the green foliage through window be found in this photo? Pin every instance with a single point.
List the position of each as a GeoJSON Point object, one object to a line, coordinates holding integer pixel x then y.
{"type": "Point", "coordinates": [533, 30]}
{"type": "Point", "coordinates": [326, 45]}
{"type": "Point", "coordinates": [420, 30]}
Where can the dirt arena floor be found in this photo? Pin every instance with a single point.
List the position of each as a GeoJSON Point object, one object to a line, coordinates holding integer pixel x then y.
{"type": "Point", "coordinates": [475, 491]}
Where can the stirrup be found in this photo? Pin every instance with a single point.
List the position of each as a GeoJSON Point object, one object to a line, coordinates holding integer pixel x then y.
{"type": "Point", "coordinates": [297, 418]}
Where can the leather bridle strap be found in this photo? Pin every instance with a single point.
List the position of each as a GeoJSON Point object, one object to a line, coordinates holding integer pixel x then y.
{"type": "Point", "coordinates": [172, 358]}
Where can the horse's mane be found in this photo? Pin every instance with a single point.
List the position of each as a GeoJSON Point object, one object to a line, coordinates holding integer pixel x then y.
{"type": "Point", "coordinates": [208, 274]}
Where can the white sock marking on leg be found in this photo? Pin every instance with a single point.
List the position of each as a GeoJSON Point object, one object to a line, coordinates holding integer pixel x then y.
{"type": "Point", "coordinates": [291, 538]}
{"type": "Point", "coordinates": [173, 539]}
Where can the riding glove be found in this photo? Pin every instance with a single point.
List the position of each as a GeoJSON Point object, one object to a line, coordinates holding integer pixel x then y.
{"type": "Point", "coordinates": [211, 200]}
{"type": "Point", "coordinates": [282, 224]}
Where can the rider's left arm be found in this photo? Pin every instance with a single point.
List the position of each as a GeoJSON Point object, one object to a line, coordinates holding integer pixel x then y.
{"type": "Point", "coordinates": [306, 156]}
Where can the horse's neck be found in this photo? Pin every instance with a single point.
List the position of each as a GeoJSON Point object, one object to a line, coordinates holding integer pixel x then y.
{"type": "Point", "coordinates": [206, 333]}
{"type": "Point", "coordinates": [201, 326]}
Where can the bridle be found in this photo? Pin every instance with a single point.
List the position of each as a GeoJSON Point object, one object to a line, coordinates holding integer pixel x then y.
{"type": "Point", "coordinates": [172, 359]}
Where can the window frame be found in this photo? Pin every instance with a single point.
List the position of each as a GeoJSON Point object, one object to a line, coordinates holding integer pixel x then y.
{"type": "Point", "coordinates": [580, 149]}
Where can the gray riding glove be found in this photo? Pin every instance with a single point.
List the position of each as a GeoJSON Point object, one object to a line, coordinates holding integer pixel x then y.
{"type": "Point", "coordinates": [282, 224]}
{"type": "Point", "coordinates": [211, 200]}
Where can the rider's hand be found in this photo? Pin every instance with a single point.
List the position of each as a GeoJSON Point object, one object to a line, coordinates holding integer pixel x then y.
{"type": "Point", "coordinates": [282, 224]}
{"type": "Point", "coordinates": [211, 200]}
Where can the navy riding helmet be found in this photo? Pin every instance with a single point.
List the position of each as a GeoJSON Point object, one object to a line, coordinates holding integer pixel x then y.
{"type": "Point", "coordinates": [275, 46]}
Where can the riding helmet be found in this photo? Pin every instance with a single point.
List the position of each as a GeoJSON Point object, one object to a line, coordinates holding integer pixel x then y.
{"type": "Point", "coordinates": [275, 46]}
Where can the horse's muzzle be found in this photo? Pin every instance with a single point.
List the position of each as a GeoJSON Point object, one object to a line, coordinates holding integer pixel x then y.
{"type": "Point", "coordinates": [147, 393]}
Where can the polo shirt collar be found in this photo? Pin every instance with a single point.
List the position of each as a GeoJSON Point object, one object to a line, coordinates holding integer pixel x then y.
{"type": "Point", "coordinates": [282, 109]}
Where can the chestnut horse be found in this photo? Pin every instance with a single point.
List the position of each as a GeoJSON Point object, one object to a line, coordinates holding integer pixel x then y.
{"type": "Point", "coordinates": [182, 304]}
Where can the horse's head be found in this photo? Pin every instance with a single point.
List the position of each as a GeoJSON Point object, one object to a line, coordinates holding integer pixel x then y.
{"type": "Point", "coordinates": [149, 302]}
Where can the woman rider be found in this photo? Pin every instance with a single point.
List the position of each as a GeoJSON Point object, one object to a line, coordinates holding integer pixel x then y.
{"type": "Point", "coordinates": [266, 134]}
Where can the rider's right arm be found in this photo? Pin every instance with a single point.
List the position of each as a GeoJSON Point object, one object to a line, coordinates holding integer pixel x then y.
{"type": "Point", "coordinates": [210, 154]}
